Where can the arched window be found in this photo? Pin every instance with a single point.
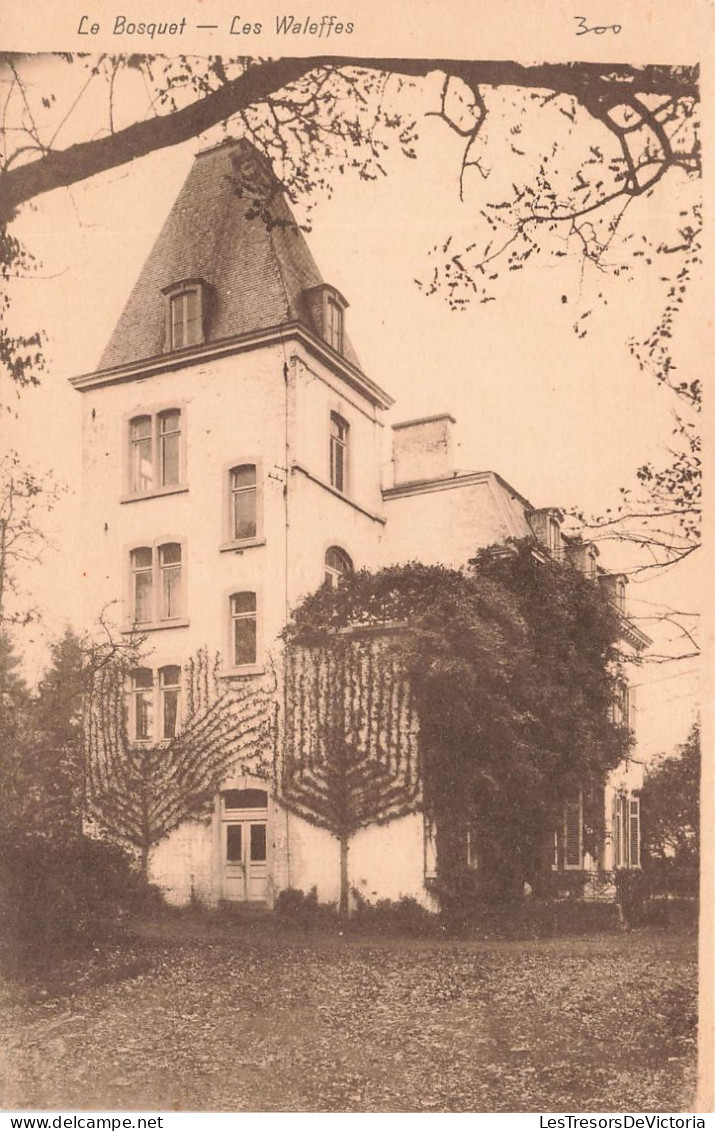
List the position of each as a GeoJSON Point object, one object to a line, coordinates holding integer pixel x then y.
{"type": "Point", "coordinates": [244, 510]}
{"type": "Point", "coordinates": [243, 629]}
{"type": "Point", "coordinates": [337, 564]}
{"type": "Point", "coordinates": [339, 432]}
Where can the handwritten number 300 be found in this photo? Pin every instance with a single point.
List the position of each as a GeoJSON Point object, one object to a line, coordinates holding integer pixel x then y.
{"type": "Point", "coordinates": [583, 28]}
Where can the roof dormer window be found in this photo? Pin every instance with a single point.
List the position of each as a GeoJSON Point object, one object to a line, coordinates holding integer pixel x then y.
{"type": "Point", "coordinates": [334, 323]}
{"type": "Point", "coordinates": [327, 309]}
{"type": "Point", "coordinates": [546, 527]}
{"type": "Point", "coordinates": [185, 314]}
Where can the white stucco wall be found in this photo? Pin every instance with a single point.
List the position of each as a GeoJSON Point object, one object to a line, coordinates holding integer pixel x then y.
{"type": "Point", "coordinates": [445, 521]}
{"type": "Point", "coordinates": [233, 410]}
{"type": "Point", "coordinates": [270, 406]}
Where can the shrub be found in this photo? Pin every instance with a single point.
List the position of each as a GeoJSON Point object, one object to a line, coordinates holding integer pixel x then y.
{"type": "Point", "coordinates": [66, 894]}
{"type": "Point", "coordinates": [631, 894]}
{"type": "Point", "coordinates": [402, 916]}
{"type": "Point", "coordinates": [294, 908]}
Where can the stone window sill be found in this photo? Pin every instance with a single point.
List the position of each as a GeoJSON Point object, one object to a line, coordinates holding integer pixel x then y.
{"type": "Point", "coordinates": [237, 546]}
{"type": "Point", "coordinates": [156, 625]}
{"type": "Point", "coordinates": [245, 669]}
{"type": "Point", "coordinates": [159, 493]}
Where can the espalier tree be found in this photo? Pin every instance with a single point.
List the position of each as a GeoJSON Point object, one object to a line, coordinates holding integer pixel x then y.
{"type": "Point", "coordinates": [350, 756]}
{"type": "Point", "coordinates": [139, 793]}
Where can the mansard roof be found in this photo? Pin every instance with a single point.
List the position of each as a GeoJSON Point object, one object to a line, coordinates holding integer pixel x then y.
{"type": "Point", "coordinates": [257, 273]}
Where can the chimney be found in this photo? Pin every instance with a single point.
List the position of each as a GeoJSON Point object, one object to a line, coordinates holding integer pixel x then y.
{"type": "Point", "coordinates": [422, 449]}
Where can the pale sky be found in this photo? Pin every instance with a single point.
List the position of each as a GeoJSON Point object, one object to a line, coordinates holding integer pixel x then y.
{"type": "Point", "coordinates": [565, 421]}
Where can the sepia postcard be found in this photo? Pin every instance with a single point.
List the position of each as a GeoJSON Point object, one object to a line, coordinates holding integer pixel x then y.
{"type": "Point", "coordinates": [351, 560]}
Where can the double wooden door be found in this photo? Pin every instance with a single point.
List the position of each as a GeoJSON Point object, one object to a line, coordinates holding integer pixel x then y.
{"type": "Point", "coordinates": [244, 831]}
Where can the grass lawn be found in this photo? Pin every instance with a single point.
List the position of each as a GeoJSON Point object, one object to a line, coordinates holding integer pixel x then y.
{"type": "Point", "coordinates": [199, 1015]}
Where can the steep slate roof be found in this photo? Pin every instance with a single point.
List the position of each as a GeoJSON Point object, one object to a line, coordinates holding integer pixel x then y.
{"type": "Point", "coordinates": [257, 272]}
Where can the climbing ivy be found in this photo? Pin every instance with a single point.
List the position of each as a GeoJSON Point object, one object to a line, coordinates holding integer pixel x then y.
{"type": "Point", "coordinates": [512, 666]}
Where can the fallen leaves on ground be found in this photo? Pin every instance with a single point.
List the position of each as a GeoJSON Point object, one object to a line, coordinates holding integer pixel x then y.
{"type": "Point", "coordinates": [231, 1019]}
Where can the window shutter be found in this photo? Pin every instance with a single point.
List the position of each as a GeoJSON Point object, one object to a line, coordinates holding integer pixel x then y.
{"type": "Point", "coordinates": [634, 833]}
{"type": "Point", "coordinates": [572, 833]}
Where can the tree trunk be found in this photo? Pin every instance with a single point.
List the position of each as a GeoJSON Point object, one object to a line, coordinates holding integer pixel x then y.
{"type": "Point", "coordinates": [343, 906]}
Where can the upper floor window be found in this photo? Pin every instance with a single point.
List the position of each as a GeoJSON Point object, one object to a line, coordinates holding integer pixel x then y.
{"type": "Point", "coordinates": [185, 314]}
{"type": "Point", "coordinates": [142, 453]}
{"type": "Point", "coordinates": [339, 432]}
{"type": "Point", "coordinates": [157, 591]}
{"type": "Point", "coordinates": [155, 451]}
{"type": "Point", "coordinates": [169, 427]}
{"type": "Point", "coordinates": [621, 706]}
{"type": "Point", "coordinates": [337, 564]}
{"type": "Point", "coordinates": [143, 705]}
{"type": "Point", "coordinates": [155, 713]}
{"type": "Point", "coordinates": [244, 502]}
{"type": "Point", "coordinates": [142, 584]}
{"type": "Point", "coordinates": [170, 698]}
{"type": "Point", "coordinates": [170, 571]}
{"type": "Point", "coordinates": [244, 625]}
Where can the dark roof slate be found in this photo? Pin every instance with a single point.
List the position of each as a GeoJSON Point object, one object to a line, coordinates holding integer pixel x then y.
{"type": "Point", "coordinates": [257, 273]}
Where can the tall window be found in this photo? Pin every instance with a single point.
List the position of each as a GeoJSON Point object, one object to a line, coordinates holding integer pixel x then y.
{"type": "Point", "coordinates": [156, 704]}
{"type": "Point", "coordinates": [339, 430]}
{"type": "Point", "coordinates": [243, 629]}
{"type": "Point", "coordinates": [143, 703]}
{"type": "Point", "coordinates": [244, 498]}
{"type": "Point", "coordinates": [626, 831]}
{"type": "Point", "coordinates": [620, 707]}
{"type": "Point", "coordinates": [142, 460]}
{"type": "Point", "coordinates": [170, 568]}
{"type": "Point", "coordinates": [334, 324]}
{"type": "Point", "coordinates": [169, 446]}
{"type": "Point", "coordinates": [143, 584]}
{"type": "Point", "coordinates": [170, 694]}
{"type": "Point", "coordinates": [185, 319]}
{"type": "Point", "coordinates": [337, 564]}
{"type": "Point", "coordinates": [157, 593]}
{"type": "Point", "coordinates": [155, 451]}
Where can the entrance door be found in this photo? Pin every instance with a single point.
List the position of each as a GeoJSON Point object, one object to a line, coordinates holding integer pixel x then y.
{"type": "Point", "coordinates": [244, 820]}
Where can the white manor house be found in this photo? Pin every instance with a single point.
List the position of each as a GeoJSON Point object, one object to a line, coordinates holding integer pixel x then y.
{"type": "Point", "coordinates": [233, 459]}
